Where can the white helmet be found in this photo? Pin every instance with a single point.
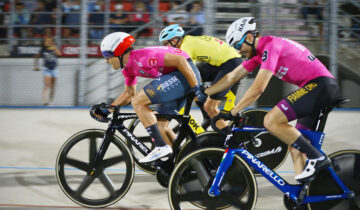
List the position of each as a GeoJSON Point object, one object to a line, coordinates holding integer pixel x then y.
{"type": "Point", "coordinates": [239, 28]}
{"type": "Point", "coordinates": [115, 44]}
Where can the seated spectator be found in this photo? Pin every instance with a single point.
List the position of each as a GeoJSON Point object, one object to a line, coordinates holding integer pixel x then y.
{"type": "Point", "coordinates": [67, 37]}
{"type": "Point", "coordinates": [197, 20]}
{"type": "Point", "coordinates": [72, 15]}
{"type": "Point", "coordinates": [118, 19]}
{"type": "Point", "coordinates": [3, 31]}
{"type": "Point", "coordinates": [40, 17]}
{"type": "Point", "coordinates": [97, 21]}
{"type": "Point", "coordinates": [179, 16]}
{"type": "Point", "coordinates": [139, 18]}
{"type": "Point", "coordinates": [20, 18]}
{"type": "Point", "coordinates": [313, 7]}
{"type": "Point", "coordinates": [354, 11]}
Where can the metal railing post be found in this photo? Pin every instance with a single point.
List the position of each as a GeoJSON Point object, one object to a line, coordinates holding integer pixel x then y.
{"type": "Point", "coordinates": [209, 6]}
{"type": "Point", "coordinates": [83, 51]}
{"type": "Point", "coordinates": [333, 39]}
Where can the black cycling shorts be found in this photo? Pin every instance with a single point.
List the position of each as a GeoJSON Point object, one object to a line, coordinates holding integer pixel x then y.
{"type": "Point", "coordinates": [305, 103]}
{"type": "Point", "coordinates": [210, 73]}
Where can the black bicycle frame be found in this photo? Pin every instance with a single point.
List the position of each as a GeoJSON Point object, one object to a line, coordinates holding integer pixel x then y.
{"type": "Point", "coordinates": [117, 123]}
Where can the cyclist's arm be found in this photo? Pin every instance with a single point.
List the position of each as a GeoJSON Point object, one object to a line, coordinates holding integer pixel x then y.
{"type": "Point", "coordinates": [126, 96]}
{"type": "Point", "coordinates": [228, 80]}
{"type": "Point", "coordinates": [255, 90]}
{"type": "Point", "coordinates": [183, 66]}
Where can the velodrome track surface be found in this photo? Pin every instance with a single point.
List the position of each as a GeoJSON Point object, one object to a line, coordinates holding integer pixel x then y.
{"type": "Point", "coordinates": [30, 139]}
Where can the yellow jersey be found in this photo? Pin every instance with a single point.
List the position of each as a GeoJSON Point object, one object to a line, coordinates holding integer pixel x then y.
{"type": "Point", "coordinates": [208, 49]}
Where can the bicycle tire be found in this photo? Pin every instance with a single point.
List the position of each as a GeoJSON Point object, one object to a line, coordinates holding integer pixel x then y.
{"type": "Point", "coordinates": [346, 164]}
{"type": "Point", "coordinates": [238, 183]}
{"type": "Point", "coordinates": [102, 189]}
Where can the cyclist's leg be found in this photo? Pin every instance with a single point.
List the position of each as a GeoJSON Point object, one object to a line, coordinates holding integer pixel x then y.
{"type": "Point", "coordinates": [168, 108]}
{"type": "Point", "coordinates": [298, 158]}
{"type": "Point", "coordinates": [167, 88]}
{"type": "Point", "coordinates": [208, 74]}
{"type": "Point", "coordinates": [316, 94]}
{"type": "Point", "coordinates": [211, 105]}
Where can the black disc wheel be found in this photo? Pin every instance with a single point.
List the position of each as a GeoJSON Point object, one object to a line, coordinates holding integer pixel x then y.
{"type": "Point", "coordinates": [267, 148]}
{"type": "Point", "coordinates": [101, 187]}
{"type": "Point", "coordinates": [193, 176]}
{"type": "Point", "coordinates": [346, 164]}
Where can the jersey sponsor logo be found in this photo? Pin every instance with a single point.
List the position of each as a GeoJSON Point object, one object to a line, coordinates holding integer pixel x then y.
{"type": "Point", "coordinates": [153, 61]}
{"type": "Point", "coordinates": [203, 58]}
{"type": "Point", "coordinates": [262, 167]}
{"type": "Point", "coordinates": [301, 92]}
{"type": "Point", "coordinates": [311, 57]}
{"type": "Point", "coordinates": [138, 63]}
{"type": "Point", "coordinates": [241, 27]}
{"type": "Point", "coordinates": [150, 93]}
{"type": "Point", "coordinates": [169, 84]}
{"type": "Point", "coordinates": [264, 56]}
{"type": "Point", "coordinates": [284, 107]}
{"type": "Point", "coordinates": [282, 72]}
{"type": "Point", "coordinates": [177, 51]}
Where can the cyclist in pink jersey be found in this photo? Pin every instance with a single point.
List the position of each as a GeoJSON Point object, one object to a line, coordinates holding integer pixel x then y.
{"type": "Point", "coordinates": [176, 76]}
{"type": "Point", "coordinates": [293, 63]}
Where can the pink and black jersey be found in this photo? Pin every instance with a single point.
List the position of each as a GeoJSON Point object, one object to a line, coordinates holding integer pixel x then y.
{"type": "Point", "coordinates": [149, 62]}
{"type": "Point", "coordinates": [287, 59]}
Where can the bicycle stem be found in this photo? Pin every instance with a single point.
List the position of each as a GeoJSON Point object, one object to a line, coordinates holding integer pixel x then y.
{"type": "Point", "coordinates": [226, 162]}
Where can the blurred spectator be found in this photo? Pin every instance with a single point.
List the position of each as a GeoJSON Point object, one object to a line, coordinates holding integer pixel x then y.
{"type": "Point", "coordinates": [72, 14]}
{"type": "Point", "coordinates": [179, 16]}
{"type": "Point", "coordinates": [97, 21]}
{"type": "Point", "coordinates": [3, 31]}
{"type": "Point", "coordinates": [50, 53]}
{"type": "Point", "coordinates": [50, 5]}
{"type": "Point", "coordinates": [20, 18]}
{"type": "Point", "coordinates": [41, 16]}
{"type": "Point", "coordinates": [313, 7]}
{"type": "Point", "coordinates": [67, 37]}
{"type": "Point", "coordinates": [118, 19]}
{"type": "Point", "coordinates": [354, 11]}
{"type": "Point", "coordinates": [197, 19]}
{"type": "Point", "coordinates": [140, 18]}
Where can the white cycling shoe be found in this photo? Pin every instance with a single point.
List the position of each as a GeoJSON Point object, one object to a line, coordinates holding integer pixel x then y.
{"type": "Point", "coordinates": [312, 167]}
{"type": "Point", "coordinates": [157, 153]}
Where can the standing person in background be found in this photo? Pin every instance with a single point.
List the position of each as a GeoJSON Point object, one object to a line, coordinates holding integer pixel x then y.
{"type": "Point", "coordinates": [49, 52]}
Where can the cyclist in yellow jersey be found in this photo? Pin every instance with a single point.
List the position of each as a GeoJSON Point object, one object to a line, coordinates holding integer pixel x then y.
{"type": "Point", "coordinates": [214, 57]}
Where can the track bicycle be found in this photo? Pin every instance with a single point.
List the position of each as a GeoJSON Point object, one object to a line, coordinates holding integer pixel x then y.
{"type": "Point", "coordinates": [215, 178]}
{"type": "Point", "coordinates": [95, 168]}
{"type": "Point", "coordinates": [266, 147]}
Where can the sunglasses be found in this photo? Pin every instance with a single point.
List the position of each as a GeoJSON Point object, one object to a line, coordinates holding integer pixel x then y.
{"type": "Point", "coordinates": [238, 45]}
{"type": "Point", "coordinates": [107, 54]}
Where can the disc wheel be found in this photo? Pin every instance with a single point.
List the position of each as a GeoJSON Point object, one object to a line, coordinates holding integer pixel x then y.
{"type": "Point", "coordinates": [267, 148]}
{"type": "Point", "coordinates": [346, 164]}
{"type": "Point", "coordinates": [193, 176]}
{"type": "Point", "coordinates": [101, 187]}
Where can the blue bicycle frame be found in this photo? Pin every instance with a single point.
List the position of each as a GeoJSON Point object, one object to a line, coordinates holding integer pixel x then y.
{"type": "Point", "coordinates": [292, 191]}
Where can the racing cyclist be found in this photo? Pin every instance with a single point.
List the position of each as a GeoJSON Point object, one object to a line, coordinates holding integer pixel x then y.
{"type": "Point", "coordinates": [215, 59]}
{"type": "Point", "coordinates": [176, 76]}
{"type": "Point", "coordinates": [293, 63]}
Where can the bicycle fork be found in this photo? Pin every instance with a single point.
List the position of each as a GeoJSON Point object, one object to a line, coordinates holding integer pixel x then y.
{"type": "Point", "coordinates": [226, 162]}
